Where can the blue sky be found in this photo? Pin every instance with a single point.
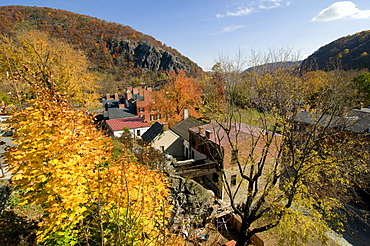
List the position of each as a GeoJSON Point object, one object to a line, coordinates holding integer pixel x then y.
{"type": "Point", "coordinates": [204, 30]}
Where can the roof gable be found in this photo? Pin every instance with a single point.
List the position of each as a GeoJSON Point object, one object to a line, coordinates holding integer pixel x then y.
{"type": "Point", "coordinates": [182, 128]}
{"type": "Point", "coordinates": [130, 123]}
{"type": "Point", "coordinates": [116, 113]}
{"type": "Point", "coordinates": [154, 131]}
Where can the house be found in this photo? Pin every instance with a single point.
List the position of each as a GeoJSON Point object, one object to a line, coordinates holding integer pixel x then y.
{"type": "Point", "coordinates": [136, 126]}
{"type": "Point", "coordinates": [202, 150]}
{"type": "Point", "coordinates": [354, 122]}
{"type": "Point", "coordinates": [174, 141]}
{"type": "Point", "coordinates": [141, 99]}
{"type": "Point", "coordinates": [213, 143]}
{"type": "Point", "coordinates": [181, 130]}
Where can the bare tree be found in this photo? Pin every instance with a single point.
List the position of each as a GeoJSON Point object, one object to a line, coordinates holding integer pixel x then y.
{"type": "Point", "coordinates": [281, 160]}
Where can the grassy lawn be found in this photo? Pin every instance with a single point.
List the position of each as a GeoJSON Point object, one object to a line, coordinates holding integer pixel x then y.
{"type": "Point", "coordinates": [256, 118]}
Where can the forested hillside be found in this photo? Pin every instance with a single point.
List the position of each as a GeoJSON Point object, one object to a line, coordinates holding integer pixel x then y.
{"type": "Point", "coordinates": [350, 52]}
{"type": "Point", "coordinates": [113, 49]}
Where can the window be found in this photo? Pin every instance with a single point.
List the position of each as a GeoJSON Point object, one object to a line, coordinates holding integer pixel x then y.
{"type": "Point", "coordinates": [141, 110]}
{"type": "Point", "coordinates": [187, 152]}
{"type": "Point", "coordinates": [138, 133]}
{"type": "Point", "coordinates": [233, 180]}
{"type": "Point", "coordinates": [152, 117]}
{"type": "Point", "coordinates": [158, 116]}
{"type": "Point", "coordinates": [162, 149]}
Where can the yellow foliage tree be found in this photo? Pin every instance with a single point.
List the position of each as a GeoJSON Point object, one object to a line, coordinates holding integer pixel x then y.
{"type": "Point", "coordinates": [33, 54]}
{"type": "Point", "coordinates": [62, 163]}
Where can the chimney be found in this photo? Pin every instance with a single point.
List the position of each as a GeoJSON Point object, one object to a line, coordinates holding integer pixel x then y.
{"type": "Point", "coordinates": [141, 91]}
{"type": "Point", "coordinates": [209, 134]}
{"type": "Point", "coordinates": [200, 130]}
{"type": "Point", "coordinates": [128, 95]}
{"type": "Point", "coordinates": [186, 113]}
{"type": "Point", "coordinates": [116, 96]}
{"type": "Point", "coordinates": [165, 126]}
{"type": "Point", "coordinates": [107, 96]}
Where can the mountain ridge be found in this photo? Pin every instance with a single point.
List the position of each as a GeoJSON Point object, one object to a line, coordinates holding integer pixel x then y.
{"type": "Point", "coordinates": [112, 48]}
{"type": "Point", "coordinates": [348, 52]}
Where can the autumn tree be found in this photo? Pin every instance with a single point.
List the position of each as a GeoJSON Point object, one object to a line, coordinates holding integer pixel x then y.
{"type": "Point", "coordinates": [64, 165]}
{"type": "Point", "coordinates": [282, 164]}
{"type": "Point", "coordinates": [214, 88]}
{"type": "Point", "coordinates": [181, 92]}
{"type": "Point", "coordinates": [33, 54]}
{"type": "Point", "coordinates": [362, 83]}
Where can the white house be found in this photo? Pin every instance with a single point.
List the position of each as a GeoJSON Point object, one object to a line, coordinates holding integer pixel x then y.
{"type": "Point", "coordinates": [136, 126]}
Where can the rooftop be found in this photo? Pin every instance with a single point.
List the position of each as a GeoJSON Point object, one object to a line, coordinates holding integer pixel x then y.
{"type": "Point", "coordinates": [116, 113]}
{"type": "Point", "coordinates": [182, 128]}
{"type": "Point", "coordinates": [152, 132]}
{"type": "Point", "coordinates": [219, 136]}
{"type": "Point", "coordinates": [355, 121]}
{"type": "Point", "coordinates": [130, 123]}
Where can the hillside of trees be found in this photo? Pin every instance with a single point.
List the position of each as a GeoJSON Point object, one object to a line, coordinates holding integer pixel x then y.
{"type": "Point", "coordinates": [349, 52]}
{"type": "Point", "coordinates": [116, 51]}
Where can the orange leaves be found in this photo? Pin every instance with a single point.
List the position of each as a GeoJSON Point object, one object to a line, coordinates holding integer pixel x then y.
{"type": "Point", "coordinates": [181, 92]}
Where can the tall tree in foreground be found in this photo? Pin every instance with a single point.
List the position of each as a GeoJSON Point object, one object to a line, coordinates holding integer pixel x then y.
{"type": "Point", "coordinates": [63, 164]}
{"type": "Point", "coordinates": [181, 92]}
{"type": "Point", "coordinates": [288, 166]}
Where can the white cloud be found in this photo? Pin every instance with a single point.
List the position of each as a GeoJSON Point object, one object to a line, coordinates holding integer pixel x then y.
{"type": "Point", "coordinates": [271, 4]}
{"type": "Point", "coordinates": [261, 4]}
{"type": "Point", "coordinates": [239, 12]}
{"type": "Point", "coordinates": [342, 9]}
{"type": "Point", "coordinates": [228, 29]}
{"type": "Point", "coordinates": [363, 14]}
{"type": "Point", "coordinates": [275, 5]}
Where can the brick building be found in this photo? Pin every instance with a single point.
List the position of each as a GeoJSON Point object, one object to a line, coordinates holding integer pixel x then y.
{"type": "Point", "coordinates": [211, 141]}
{"type": "Point", "coordinates": [141, 98]}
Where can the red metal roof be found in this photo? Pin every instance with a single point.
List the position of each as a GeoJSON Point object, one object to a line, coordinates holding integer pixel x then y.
{"type": "Point", "coordinates": [130, 123]}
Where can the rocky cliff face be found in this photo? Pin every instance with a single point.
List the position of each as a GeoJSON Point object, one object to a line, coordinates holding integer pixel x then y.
{"type": "Point", "coordinates": [192, 203]}
{"type": "Point", "coordinates": [147, 56]}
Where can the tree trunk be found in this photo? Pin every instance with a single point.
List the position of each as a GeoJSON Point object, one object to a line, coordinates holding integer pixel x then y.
{"type": "Point", "coordinates": [245, 234]}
